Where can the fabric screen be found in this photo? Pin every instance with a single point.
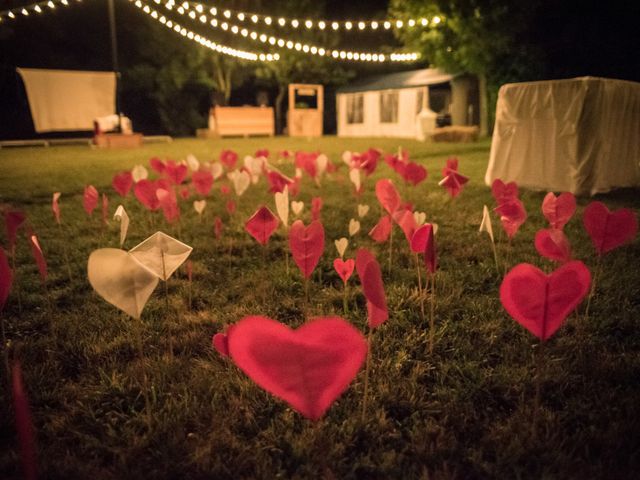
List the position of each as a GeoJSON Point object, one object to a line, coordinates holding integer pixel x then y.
{"type": "Point", "coordinates": [578, 135]}
{"type": "Point", "coordinates": [68, 100]}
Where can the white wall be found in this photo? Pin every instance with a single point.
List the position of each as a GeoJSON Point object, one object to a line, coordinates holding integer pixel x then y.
{"type": "Point", "coordinates": [371, 126]}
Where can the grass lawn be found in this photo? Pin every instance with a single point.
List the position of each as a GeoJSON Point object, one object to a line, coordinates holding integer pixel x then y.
{"type": "Point", "coordinates": [465, 411]}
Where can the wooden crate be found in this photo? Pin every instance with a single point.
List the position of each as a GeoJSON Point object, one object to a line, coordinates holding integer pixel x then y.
{"type": "Point", "coordinates": [118, 140]}
{"type": "Point", "coordinates": [242, 121]}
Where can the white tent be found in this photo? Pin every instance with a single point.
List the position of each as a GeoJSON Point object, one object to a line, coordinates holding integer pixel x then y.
{"type": "Point", "coordinates": [392, 105]}
{"type": "Point", "coordinates": [579, 135]}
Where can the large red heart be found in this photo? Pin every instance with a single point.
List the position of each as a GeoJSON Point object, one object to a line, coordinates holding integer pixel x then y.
{"type": "Point", "coordinates": [308, 368]}
{"type": "Point", "coordinates": [504, 193]}
{"type": "Point", "coordinates": [558, 210]}
{"type": "Point", "coordinates": [261, 225]}
{"type": "Point", "coordinates": [229, 158]}
{"type": "Point", "coordinates": [381, 231]}
{"type": "Point", "coordinates": [145, 192]}
{"type": "Point", "coordinates": [414, 173]}
{"type": "Point", "coordinates": [608, 230]}
{"type": "Point", "coordinates": [307, 245]}
{"type": "Point", "coordinates": [512, 216]}
{"type": "Point", "coordinates": [176, 172]}
{"type": "Point", "coordinates": [553, 244]}
{"type": "Point", "coordinates": [373, 288]}
{"type": "Point", "coordinates": [423, 242]}
{"type": "Point", "coordinates": [202, 181]}
{"type": "Point", "coordinates": [344, 268]}
{"type": "Point", "coordinates": [407, 222]}
{"type": "Point", "coordinates": [387, 195]}
{"type": "Point", "coordinates": [122, 183]}
{"type": "Point", "coordinates": [541, 303]}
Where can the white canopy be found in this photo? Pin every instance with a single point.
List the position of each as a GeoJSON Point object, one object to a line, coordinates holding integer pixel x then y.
{"type": "Point", "coordinates": [579, 135]}
{"type": "Point", "coordinates": [68, 99]}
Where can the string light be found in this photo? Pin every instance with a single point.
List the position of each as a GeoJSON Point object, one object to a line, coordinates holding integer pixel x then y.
{"type": "Point", "coordinates": [37, 8]}
{"type": "Point", "coordinates": [306, 48]}
{"type": "Point", "coordinates": [202, 40]}
{"type": "Point", "coordinates": [335, 25]}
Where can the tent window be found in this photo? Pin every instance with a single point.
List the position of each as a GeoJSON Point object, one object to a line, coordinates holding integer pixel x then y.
{"type": "Point", "coordinates": [355, 108]}
{"type": "Point", "coordinates": [389, 107]}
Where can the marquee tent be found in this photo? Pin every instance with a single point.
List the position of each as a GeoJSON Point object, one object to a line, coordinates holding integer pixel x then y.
{"type": "Point", "coordinates": [68, 100]}
{"type": "Point", "coordinates": [579, 135]}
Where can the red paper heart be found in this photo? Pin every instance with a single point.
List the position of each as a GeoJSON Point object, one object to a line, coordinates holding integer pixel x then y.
{"type": "Point", "coordinates": [12, 222]}
{"type": "Point", "coordinates": [387, 195]}
{"type": "Point", "coordinates": [308, 368]}
{"type": "Point", "coordinates": [553, 244]}
{"type": "Point", "coordinates": [307, 161]}
{"type": "Point", "coordinates": [217, 227]}
{"type": "Point", "coordinates": [423, 242]}
{"type": "Point", "coordinates": [277, 182]}
{"type": "Point", "coordinates": [307, 245]}
{"type": "Point", "coordinates": [407, 222]}
{"type": "Point", "coordinates": [541, 303]}
{"type": "Point", "coordinates": [229, 158]}
{"type": "Point", "coordinates": [145, 192]}
{"type": "Point", "coordinates": [6, 279]}
{"type": "Point", "coordinates": [453, 183]}
{"type": "Point", "coordinates": [176, 172]}
{"type": "Point", "coordinates": [202, 181]}
{"type": "Point", "coordinates": [157, 165]}
{"type": "Point", "coordinates": [38, 256]}
{"type": "Point", "coordinates": [122, 183]}
{"type": "Point", "coordinates": [220, 342]}
{"type": "Point", "coordinates": [504, 193]}
{"type": "Point", "coordinates": [344, 268]}
{"type": "Point", "coordinates": [231, 207]}
{"type": "Point", "coordinates": [512, 216]}
{"type": "Point", "coordinates": [608, 230]}
{"type": "Point", "coordinates": [90, 199]}
{"type": "Point", "coordinates": [414, 173]}
{"type": "Point", "coordinates": [316, 208]}
{"type": "Point", "coordinates": [381, 231]}
{"type": "Point", "coordinates": [261, 225]}
{"type": "Point", "coordinates": [373, 288]}
{"type": "Point", "coordinates": [169, 204]}
{"type": "Point", "coordinates": [262, 152]}
{"type": "Point", "coordinates": [24, 424]}
{"type": "Point", "coordinates": [558, 210]}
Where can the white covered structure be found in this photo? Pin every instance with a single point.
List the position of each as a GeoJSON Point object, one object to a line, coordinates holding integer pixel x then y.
{"type": "Point", "coordinates": [405, 104]}
{"type": "Point", "coordinates": [578, 135]}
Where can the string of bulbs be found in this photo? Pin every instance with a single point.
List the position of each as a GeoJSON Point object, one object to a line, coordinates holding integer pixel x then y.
{"type": "Point", "coordinates": [34, 8]}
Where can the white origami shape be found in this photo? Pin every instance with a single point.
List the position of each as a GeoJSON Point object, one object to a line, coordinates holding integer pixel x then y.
{"type": "Point", "coordinates": [486, 226]}
{"type": "Point", "coordinates": [121, 280]}
{"type": "Point", "coordinates": [123, 218]}
{"type": "Point", "coordinates": [161, 254]}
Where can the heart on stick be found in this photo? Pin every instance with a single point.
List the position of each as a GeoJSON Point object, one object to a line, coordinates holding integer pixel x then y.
{"type": "Point", "coordinates": [504, 193]}
{"type": "Point", "coordinates": [609, 230]}
{"type": "Point", "coordinates": [282, 206]}
{"type": "Point", "coordinates": [553, 244]}
{"type": "Point", "coordinates": [121, 280]}
{"type": "Point", "coordinates": [420, 218]}
{"type": "Point", "coordinates": [297, 207]}
{"type": "Point", "coordinates": [373, 288]}
{"type": "Point", "coordinates": [161, 254]}
{"type": "Point", "coordinates": [387, 195]}
{"type": "Point", "coordinates": [90, 199]}
{"type": "Point", "coordinates": [261, 225]}
{"type": "Point", "coordinates": [344, 268]}
{"type": "Point", "coordinates": [558, 210]}
{"type": "Point", "coordinates": [423, 242]}
{"type": "Point", "coordinates": [199, 206]}
{"type": "Point", "coordinates": [341, 245]}
{"type": "Point", "coordinates": [363, 210]}
{"type": "Point", "coordinates": [193, 163]}
{"type": "Point", "coordinates": [381, 231]}
{"type": "Point", "coordinates": [540, 302]}
{"type": "Point", "coordinates": [354, 227]}
{"type": "Point", "coordinates": [241, 181]}
{"type": "Point", "coordinates": [354, 177]}
{"type": "Point", "coordinates": [139, 172]}
{"type": "Point", "coordinates": [308, 368]}
{"type": "Point", "coordinates": [202, 181]}
{"type": "Point", "coordinates": [307, 245]}
{"type": "Point", "coordinates": [122, 183]}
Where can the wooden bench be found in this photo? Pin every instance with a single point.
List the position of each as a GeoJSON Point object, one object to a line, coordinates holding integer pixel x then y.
{"type": "Point", "coordinates": [242, 121]}
{"type": "Point", "coordinates": [118, 140]}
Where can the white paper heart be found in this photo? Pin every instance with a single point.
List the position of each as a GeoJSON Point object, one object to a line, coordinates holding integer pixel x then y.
{"type": "Point", "coordinates": [434, 226]}
{"type": "Point", "coordinates": [241, 181]}
{"type": "Point", "coordinates": [282, 206]}
{"type": "Point", "coordinates": [420, 217]}
{"type": "Point", "coordinates": [161, 254]}
{"type": "Point", "coordinates": [341, 245]}
{"type": "Point", "coordinates": [118, 278]}
{"type": "Point", "coordinates": [354, 227]}
{"type": "Point", "coordinates": [193, 163]}
{"type": "Point", "coordinates": [298, 173]}
{"type": "Point", "coordinates": [139, 173]}
{"type": "Point", "coordinates": [321, 164]}
{"type": "Point", "coordinates": [123, 218]}
{"type": "Point", "coordinates": [354, 176]}
{"type": "Point", "coordinates": [363, 210]}
{"type": "Point", "coordinates": [297, 207]}
{"type": "Point", "coordinates": [486, 226]}
{"type": "Point", "coordinates": [346, 157]}
{"type": "Point", "coordinates": [198, 206]}
{"type": "Point", "coordinates": [217, 170]}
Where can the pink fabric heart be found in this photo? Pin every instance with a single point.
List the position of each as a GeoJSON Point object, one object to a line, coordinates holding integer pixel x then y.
{"type": "Point", "coordinates": [558, 210]}
{"type": "Point", "coordinates": [512, 216]}
{"type": "Point", "coordinates": [387, 195]}
{"type": "Point", "coordinates": [176, 172]}
{"type": "Point", "coordinates": [90, 199]}
{"type": "Point", "coordinates": [609, 230]}
{"type": "Point", "coordinates": [13, 220]}
{"type": "Point", "coordinates": [316, 208]}
{"type": "Point", "coordinates": [541, 303]}
{"type": "Point", "coordinates": [6, 279]}
{"type": "Point", "coordinates": [504, 193]}
{"type": "Point", "coordinates": [373, 288]}
{"type": "Point", "coordinates": [423, 242]}
{"type": "Point", "coordinates": [229, 158]}
{"type": "Point", "coordinates": [381, 231]}
{"type": "Point", "coordinates": [308, 368]}
{"type": "Point", "coordinates": [157, 165]}
{"type": "Point", "coordinates": [262, 224]}
{"type": "Point", "coordinates": [553, 244]}
{"type": "Point", "coordinates": [122, 183]}
{"type": "Point", "coordinates": [202, 181]}
{"type": "Point", "coordinates": [344, 268]}
{"type": "Point", "coordinates": [307, 245]}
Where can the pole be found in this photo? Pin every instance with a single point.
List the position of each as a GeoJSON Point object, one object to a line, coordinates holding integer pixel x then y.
{"type": "Point", "coordinates": [114, 55]}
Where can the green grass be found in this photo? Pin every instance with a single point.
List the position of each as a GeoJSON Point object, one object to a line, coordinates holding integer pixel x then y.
{"type": "Point", "coordinates": [464, 411]}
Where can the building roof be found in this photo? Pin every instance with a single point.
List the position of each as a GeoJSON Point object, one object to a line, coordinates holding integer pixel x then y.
{"type": "Point", "coordinates": [412, 78]}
